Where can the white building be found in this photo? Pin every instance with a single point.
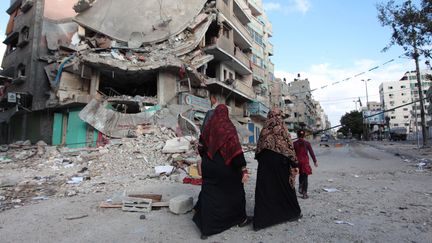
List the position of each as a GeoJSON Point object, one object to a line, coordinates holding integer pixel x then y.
{"type": "Point", "coordinates": [399, 93]}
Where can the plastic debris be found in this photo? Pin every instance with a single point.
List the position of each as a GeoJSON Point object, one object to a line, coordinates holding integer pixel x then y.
{"type": "Point", "coordinates": [343, 222]}
{"type": "Point", "coordinates": [330, 189]}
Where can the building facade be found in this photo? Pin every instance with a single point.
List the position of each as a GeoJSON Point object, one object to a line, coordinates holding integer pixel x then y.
{"type": "Point", "coordinates": [401, 93]}
{"type": "Point", "coordinates": [78, 67]}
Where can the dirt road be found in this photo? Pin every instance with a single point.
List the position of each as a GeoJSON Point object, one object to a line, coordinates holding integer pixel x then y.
{"type": "Point", "coordinates": [379, 198]}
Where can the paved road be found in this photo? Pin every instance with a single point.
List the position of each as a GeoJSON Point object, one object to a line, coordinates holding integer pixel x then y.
{"type": "Point", "coordinates": [379, 196]}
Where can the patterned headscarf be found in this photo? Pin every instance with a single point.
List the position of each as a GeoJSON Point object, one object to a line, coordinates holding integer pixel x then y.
{"type": "Point", "coordinates": [275, 137]}
{"type": "Point", "coordinates": [220, 135]}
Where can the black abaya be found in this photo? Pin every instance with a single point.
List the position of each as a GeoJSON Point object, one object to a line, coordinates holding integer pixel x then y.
{"type": "Point", "coordinates": [221, 202]}
{"type": "Point", "coordinates": [275, 199]}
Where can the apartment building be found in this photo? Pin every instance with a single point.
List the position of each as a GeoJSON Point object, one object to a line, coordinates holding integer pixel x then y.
{"type": "Point", "coordinates": [304, 110]}
{"type": "Point", "coordinates": [79, 65]}
{"type": "Point", "coordinates": [400, 93]}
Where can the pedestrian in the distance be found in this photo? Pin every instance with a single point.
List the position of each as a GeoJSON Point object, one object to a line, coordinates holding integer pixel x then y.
{"type": "Point", "coordinates": [275, 195]}
{"type": "Point", "coordinates": [222, 201]}
{"type": "Point", "coordinates": [303, 148]}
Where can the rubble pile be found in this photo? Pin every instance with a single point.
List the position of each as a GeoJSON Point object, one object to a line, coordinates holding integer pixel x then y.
{"type": "Point", "coordinates": [30, 173]}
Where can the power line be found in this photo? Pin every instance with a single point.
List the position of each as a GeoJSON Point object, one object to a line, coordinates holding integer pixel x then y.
{"type": "Point", "coordinates": [376, 114]}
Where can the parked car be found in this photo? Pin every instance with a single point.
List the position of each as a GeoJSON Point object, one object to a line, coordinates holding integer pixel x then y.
{"type": "Point", "coordinates": [398, 133]}
{"type": "Point", "coordinates": [324, 138]}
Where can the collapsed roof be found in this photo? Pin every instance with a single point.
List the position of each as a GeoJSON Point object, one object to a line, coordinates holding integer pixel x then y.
{"type": "Point", "coordinates": [148, 21]}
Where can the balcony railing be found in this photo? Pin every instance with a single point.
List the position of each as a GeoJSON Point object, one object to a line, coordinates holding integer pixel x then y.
{"type": "Point", "coordinates": [242, 29]}
{"type": "Point", "coordinates": [258, 109]}
{"type": "Point", "coordinates": [258, 72]}
{"type": "Point", "coordinates": [242, 57]}
{"type": "Point", "coordinates": [244, 88]}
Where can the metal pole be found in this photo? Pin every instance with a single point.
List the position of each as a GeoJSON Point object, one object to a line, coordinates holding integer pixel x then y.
{"type": "Point", "coordinates": [367, 108]}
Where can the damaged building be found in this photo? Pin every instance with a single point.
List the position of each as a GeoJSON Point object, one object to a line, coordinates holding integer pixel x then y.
{"type": "Point", "coordinates": [78, 71]}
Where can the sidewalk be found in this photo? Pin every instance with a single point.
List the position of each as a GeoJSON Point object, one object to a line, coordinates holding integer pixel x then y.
{"type": "Point", "coordinates": [405, 149]}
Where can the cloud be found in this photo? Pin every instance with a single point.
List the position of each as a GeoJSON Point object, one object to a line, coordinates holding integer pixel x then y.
{"type": "Point", "coordinates": [338, 99]}
{"type": "Point", "coordinates": [301, 6]}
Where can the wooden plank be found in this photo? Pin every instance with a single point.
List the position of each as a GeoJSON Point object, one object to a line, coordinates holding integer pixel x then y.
{"type": "Point", "coordinates": [160, 204]}
{"type": "Point", "coordinates": [110, 205]}
{"type": "Point", "coordinates": [154, 197]}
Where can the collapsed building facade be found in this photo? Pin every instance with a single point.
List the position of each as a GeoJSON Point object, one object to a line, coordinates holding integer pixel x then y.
{"type": "Point", "coordinates": [76, 70]}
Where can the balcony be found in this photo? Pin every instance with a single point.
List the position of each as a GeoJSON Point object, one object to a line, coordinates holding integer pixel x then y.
{"type": "Point", "coordinates": [241, 34]}
{"type": "Point", "coordinates": [258, 109]}
{"type": "Point", "coordinates": [255, 8]}
{"type": "Point", "coordinates": [237, 89]}
{"type": "Point", "coordinates": [242, 10]}
{"type": "Point", "coordinates": [269, 48]}
{"type": "Point", "coordinates": [258, 74]}
{"type": "Point", "coordinates": [223, 50]}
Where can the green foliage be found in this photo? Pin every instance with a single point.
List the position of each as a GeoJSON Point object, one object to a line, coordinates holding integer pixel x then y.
{"type": "Point", "coordinates": [353, 122]}
{"type": "Point", "coordinates": [410, 24]}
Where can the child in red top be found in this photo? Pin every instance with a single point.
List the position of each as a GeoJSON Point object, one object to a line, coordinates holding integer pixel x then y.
{"type": "Point", "coordinates": [302, 147]}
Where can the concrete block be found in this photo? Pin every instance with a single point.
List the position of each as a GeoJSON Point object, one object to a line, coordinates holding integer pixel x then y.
{"type": "Point", "coordinates": [131, 204]}
{"type": "Point", "coordinates": [181, 204]}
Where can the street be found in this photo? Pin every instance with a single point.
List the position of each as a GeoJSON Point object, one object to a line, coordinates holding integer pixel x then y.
{"type": "Point", "coordinates": [357, 194]}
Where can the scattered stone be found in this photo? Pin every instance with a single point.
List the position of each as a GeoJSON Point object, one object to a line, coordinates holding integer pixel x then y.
{"type": "Point", "coordinates": [181, 204]}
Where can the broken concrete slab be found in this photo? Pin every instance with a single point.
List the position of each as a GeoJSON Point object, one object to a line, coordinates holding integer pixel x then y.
{"type": "Point", "coordinates": [178, 145]}
{"type": "Point", "coordinates": [110, 122]}
{"type": "Point", "coordinates": [140, 16]}
{"type": "Point", "coordinates": [181, 204]}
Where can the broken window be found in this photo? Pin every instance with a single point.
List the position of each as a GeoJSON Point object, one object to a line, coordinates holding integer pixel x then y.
{"type": "Point", "coordinates": [226, 31]}
{"type": "Point", "coordinates": [12, 42]}
{"type": "Point", "coordinates": [24, 36]}
{"type": "Point", "coordinates": [211, 69]}
{"type": "Point", "coordinates": [128, 83]}
{"type": "Point", "coordinates": [21, 71]}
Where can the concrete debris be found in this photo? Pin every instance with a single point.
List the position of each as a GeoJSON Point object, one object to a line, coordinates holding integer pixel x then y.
{"type": "Point", "coordinates": [181, 204]}
{"type": "Point", "coordinates": [178, 145]}
{"type": "Point", "coordinates": [67, 172]}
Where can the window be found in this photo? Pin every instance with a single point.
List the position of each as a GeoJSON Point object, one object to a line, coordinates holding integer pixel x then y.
{"type": "Point", "coordinates": [393, 117]}
{"type": "Point", "coordinates": [392, 103]}
{"type": "Point", "coordinates": [403, 94]}
{"type": "Point", "coordinates": [21, 70]}
{"type": "Point", "coordinates": [403, 86]}
{"type": "Point", "coordinates": [406, 117]}
{"type": "Point", "coordinates": [390, 87]}
{"type": "Point", "coordinates": [405, 109]}
{"type": "Point", "coordinates": [391, 95]}
{"type": "Point", "coordinates": [24, 36]}
{"type": "Point", "coordinates": [395, 125]}
{"type": "Point", "coordinates": [407, 124]}
{"type": "Point", "coordinates": [226, 31]}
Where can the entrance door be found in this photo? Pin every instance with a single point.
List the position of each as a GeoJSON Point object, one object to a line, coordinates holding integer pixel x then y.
{"type": "Point", "coordinates": [251, 128]}
{"type": "Point", "coordinates": [76, 133]}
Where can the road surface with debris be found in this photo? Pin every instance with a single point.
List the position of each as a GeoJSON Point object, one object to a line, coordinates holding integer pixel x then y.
{"type": "Point", "coordinates": [358, 193]}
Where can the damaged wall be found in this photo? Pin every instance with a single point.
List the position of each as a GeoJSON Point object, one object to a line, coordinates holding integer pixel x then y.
{"type": "Point", "coordinates": [156, 19]}
{"type": "Point", "coordinates": [59, 9]}
{"type": "Point", "coordinates": [167, 88]}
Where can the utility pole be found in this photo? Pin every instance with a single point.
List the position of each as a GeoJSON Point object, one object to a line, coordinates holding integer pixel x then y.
{"type": "Point", "coordinates": [367, 109]}
{"type": "Point", "coordinates": [419, 86]}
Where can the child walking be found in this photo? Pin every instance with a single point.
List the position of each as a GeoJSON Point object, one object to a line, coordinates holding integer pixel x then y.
{"type": "Point", "coordinates": [302, 147]}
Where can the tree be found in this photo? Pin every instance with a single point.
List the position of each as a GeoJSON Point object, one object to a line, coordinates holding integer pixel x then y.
{"type": "Point", "coordinates": [352, 121]}
{"type": "Point", "coordinates": [409, 24]}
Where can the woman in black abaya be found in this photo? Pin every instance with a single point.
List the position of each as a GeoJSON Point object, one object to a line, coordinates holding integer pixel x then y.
{"type": "Point", "coordinates": [221, 202]}
{"type": "Point", "coordinates": [275, 196]}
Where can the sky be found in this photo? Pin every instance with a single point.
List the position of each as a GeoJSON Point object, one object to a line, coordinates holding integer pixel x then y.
{"type": "Point", "coordinates": [326, 41]}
